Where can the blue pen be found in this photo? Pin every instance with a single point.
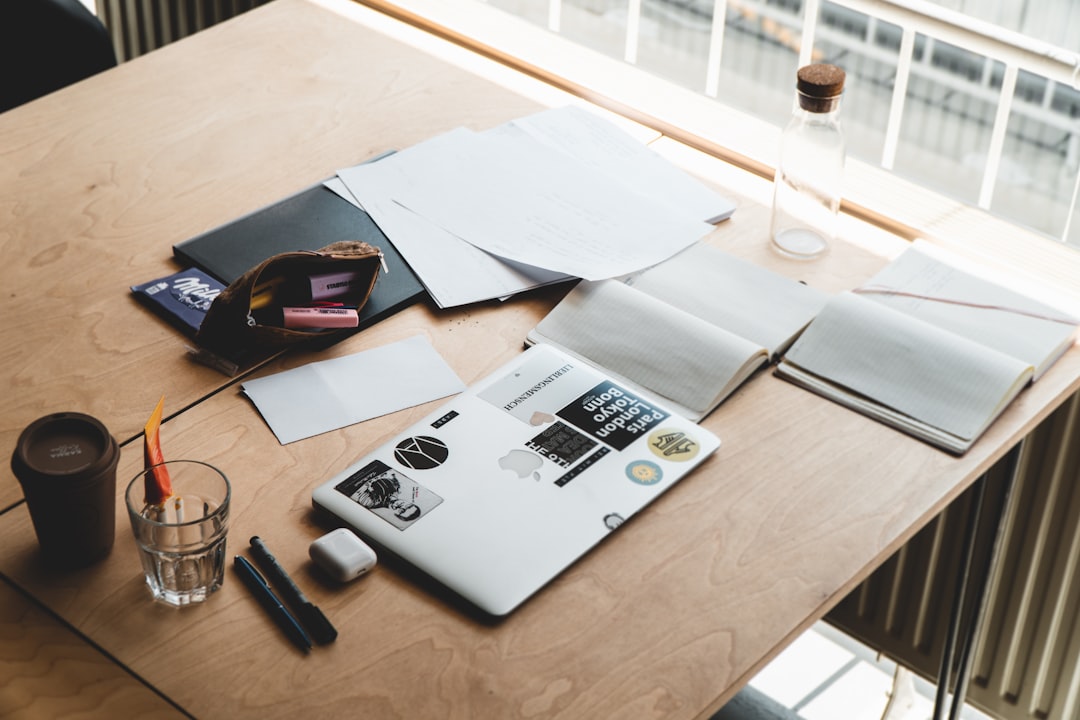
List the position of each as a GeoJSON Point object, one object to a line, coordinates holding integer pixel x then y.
{"type": "Point", "coordinates": [309, 616]}
{"type": "Point", "coordinates": [266, 597]}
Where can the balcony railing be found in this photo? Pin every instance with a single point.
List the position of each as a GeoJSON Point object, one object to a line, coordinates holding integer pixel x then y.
{"type": "Point", "coordinates": [1014, 101]}
{"type": "Point", "coordinates": [941, 108]}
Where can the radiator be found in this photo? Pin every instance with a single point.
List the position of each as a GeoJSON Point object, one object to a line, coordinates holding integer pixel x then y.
{"type": "Point", "coordinates": [1027, 660]}
{"type": "Point", "coordinates": [139, 26]}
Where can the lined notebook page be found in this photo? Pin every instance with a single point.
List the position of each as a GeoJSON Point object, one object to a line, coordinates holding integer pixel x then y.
{"type": "Point", "coordinates": [978, 309]}
{"type": "Point", "coordinates": [661, 348]}
{"type": "Point", "coordinates": [754, 303]}
{"type": "Point", "coordinates": [945, 380]}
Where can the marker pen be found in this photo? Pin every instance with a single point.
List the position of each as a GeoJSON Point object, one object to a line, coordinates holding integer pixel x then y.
{"type": "Point", "coordinates": [319, 317]}
{"type": "Point", "coordinates": [266, 597]}
{"type": "Point", "coordinates": [304, 610]}
{"type": "Point", "coordinates": [332, 285]}
{"type": "Point", "coordinates": [263, 293]}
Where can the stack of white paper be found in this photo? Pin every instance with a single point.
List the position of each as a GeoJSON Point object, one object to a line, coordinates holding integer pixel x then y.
{"type": "Point", "coordinates": [556, 195]}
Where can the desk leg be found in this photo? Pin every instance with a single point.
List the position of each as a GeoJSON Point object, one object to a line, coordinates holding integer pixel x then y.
{"type": "Point", "coordinates": [962, 637]}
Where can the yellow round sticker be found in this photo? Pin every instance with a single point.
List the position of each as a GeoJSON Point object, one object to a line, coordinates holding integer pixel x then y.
{"type": "Point", "coordinates": [673, 444]}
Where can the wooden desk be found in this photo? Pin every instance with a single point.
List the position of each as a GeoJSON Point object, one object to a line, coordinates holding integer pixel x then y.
{"type": "Point", "coordinates": [98, 182]}
{"type": "Point", "coordinates": [667, 619]}
{"type": "Point", "coordinates": [59, 673]}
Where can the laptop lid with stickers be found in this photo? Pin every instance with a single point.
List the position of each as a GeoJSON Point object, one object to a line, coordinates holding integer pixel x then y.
{"type": "Point", "coordinates": [508, 483]}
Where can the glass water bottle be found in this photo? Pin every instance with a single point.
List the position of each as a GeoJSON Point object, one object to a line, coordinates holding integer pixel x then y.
{"type": "Point", "coordinates": [810, 169]}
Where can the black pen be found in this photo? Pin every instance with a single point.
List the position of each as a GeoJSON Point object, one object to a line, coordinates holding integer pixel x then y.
{"type": "Point", "coordinates": [310, 616]}
{"type": "Point", "coordinates": [266, 597]}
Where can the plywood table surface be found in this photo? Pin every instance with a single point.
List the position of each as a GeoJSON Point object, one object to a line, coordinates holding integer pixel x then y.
{"type": "Point", "coordinates": [99, 180]}
{"type": "Point", "coordinates": [48, 671]}
{"type": "Point", "coordinates": [667, 618]}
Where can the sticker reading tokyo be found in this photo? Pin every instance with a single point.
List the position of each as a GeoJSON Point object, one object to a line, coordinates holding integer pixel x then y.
{"type": "Point", "coordinates": [613, 415]}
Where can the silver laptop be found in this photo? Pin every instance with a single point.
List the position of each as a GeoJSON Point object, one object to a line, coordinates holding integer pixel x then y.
{"type": "Point", "coordinates": [508, 483]}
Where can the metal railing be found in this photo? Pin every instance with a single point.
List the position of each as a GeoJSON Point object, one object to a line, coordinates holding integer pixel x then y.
{"type": "Point", "coordinates": [914, 53]}
{"type": "Point", "coordinates": [987, 62]}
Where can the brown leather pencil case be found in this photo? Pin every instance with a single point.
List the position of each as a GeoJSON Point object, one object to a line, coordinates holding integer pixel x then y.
{"type": "Point", "coordinates": [245, 319]}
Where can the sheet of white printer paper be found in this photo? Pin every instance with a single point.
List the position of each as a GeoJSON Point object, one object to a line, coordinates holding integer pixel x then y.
{"type": "Point", "coordinates": [603, 146]}
{"type": "Point", "coordinates": [512, 196]}
{"type": "Point", "coordinates": [331, 394]}
{"type": "Point", "coordinates": [337, 186]}
{"type": "Point", "coordinates": [453, 271]}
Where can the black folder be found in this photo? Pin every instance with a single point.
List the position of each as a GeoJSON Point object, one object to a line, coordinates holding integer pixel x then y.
{"type": "Point", "coordinates": [308, 220]}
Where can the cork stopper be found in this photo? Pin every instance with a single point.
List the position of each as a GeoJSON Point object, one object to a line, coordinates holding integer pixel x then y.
{"type": "Point", "coordinates": [819, 87]}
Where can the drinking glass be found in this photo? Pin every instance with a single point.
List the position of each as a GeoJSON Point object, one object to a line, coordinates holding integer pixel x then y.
{"type": "Point", "coordinates": [181, 541]}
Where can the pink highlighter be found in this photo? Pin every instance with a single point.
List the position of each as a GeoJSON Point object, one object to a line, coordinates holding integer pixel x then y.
{"type": "Point", "coordinates": [333, 285]}
{"type": "Point", "coordinates": [319, 317]}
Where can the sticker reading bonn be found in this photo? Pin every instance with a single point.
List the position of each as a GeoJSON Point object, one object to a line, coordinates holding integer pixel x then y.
{"type": "Point", "coordinates": [391, 495]}
{"type": "Point", "coordinates": [613, 415]}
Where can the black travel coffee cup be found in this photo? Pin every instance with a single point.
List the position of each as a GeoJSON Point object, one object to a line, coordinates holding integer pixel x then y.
{"type": "Point", "coordinates": [66, 464]}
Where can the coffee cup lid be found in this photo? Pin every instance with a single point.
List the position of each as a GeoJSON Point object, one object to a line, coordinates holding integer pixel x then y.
{"type": "Point", "coordinates": [63, 446]}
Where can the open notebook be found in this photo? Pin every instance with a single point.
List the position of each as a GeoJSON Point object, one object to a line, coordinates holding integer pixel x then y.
{"type": "Point", "coordinates": [929, 348]}
{"type": "Point", "coordinates": [689, 330]}
{"type": "Point", "coordinates": [507, 484]}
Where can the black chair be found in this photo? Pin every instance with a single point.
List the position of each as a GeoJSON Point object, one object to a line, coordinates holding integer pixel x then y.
{"type": "Point", "coordinates": [46, 45]}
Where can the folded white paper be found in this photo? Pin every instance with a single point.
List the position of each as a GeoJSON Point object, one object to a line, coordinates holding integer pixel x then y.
{"type": "Point", "coordinates": [331, 394]}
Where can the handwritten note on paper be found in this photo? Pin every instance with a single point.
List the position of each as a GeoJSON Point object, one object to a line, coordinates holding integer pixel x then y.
{"type": "Point", "coordinates": [516, 198]}
{"type": "Point", "coordinates": [598, 143]}
{"type": "Point", "coordinates": [331, 394]}
{"type": "Point", "coordinates": [453, 271]}
{"type": "Point", "coordinates": [526, 203]}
